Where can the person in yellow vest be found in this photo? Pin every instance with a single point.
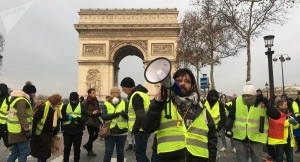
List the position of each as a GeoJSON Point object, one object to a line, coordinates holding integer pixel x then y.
{"type": "Point", "coordinates": [217, 111]}
{"type": "Point", "coordinates": [138, 104]}
{"type": "Point", "coordinates": [4, 103]}
{"type": "Point", "coordinates": [116, 111]}
{"type": "Point", "coordinates": [74, 115]}
{"type": "Point", "coordinates": [189, 134]}
{"type": "Point", "coordinates": [227, 105]}
{"type": "Point", "coordinates": [296, 110]}
{"type": "Point", "coordinates": [247, 123]}
{"type": "Point", "coordinates": [19, 120]}
{"type": "Point", "coordinates": [44, 127]}
{"type": "Point", "coordinates": [281, 132]}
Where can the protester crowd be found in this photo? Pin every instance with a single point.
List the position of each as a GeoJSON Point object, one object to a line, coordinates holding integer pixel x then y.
{"type": "Point", "coordinates": [187, 128]}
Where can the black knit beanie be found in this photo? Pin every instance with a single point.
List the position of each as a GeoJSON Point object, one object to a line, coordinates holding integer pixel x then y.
{"type": "Point", "coordinates": [29, 88]}
{"type": "Point", "coordinates": [74, 96]}
{"type": "Point", "coordinates": [127, 82]}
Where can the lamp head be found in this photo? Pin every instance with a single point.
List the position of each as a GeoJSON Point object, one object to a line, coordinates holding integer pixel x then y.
{"type": "Point", "coordinates": [269, 41]}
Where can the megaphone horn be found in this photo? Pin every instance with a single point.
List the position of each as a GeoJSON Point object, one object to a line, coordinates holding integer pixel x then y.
{"type": "Point", "coordinates": [158, 71]}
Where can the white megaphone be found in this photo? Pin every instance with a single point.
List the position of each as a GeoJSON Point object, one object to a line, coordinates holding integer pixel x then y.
{"type": "Point", "coordinates": [158, 71]}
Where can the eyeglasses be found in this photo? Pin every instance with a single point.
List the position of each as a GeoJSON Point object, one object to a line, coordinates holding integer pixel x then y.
{"type": "Point", "coordinates": [187, 81]}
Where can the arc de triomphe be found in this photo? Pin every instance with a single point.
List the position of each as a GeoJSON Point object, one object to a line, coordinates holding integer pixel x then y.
{"type": "Point", "coordinates": [106, 36]}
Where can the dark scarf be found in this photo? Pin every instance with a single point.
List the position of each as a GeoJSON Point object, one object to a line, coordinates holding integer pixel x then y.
{"type": "Point", "coordinates": [285, 111]}
{"type": "Point", "coordinates": [92, 100]}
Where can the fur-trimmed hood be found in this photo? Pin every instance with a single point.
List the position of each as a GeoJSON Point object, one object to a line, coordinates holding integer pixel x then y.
{"type": "Point", "coordinates": [18, 93]}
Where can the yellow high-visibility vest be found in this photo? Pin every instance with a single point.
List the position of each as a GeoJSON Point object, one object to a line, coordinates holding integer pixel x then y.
{"type": "Point", "coordinates": [214, 112]}
{"type": "Point", "coordinates": [172, 137]}
{"type": "Point", "coordinates": [247, 122]}
{"type": "Point", "coordinates": [13, 124]}
{"type": "Point", "coordinates": [3, 111]}
{"type": "Point", "coordinates": [41, 122]}
{"type": "Point", "coordinates": [120, 121]}
{"type": "Point", "coordinates": [76, 113]}
{"type": "Point", "coordinates": [131, 113]}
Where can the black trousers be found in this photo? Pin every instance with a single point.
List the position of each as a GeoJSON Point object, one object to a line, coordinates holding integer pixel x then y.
{"type": "Point", "coordinates": [4, 134]}
{"type": "Point", "coordinates": [68, 141]}
{"type": "Point", "coordinates": [298, 142]}
{"type": "Point", "coordinates": [93, 132]}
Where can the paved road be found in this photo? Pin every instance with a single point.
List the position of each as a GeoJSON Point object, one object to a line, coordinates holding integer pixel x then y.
{"type": "Point", "coordinates": [227, 156]}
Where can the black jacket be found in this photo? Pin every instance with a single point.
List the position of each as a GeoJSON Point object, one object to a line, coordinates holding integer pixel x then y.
{"type": "Point", "coordinates": [152, 122]}
{"type": "Point", "coordinates": [74, 128]}
{"type": "Point", "coordinates": [138, 106]}
{"type": "Point", "coordinates": [272, 112]}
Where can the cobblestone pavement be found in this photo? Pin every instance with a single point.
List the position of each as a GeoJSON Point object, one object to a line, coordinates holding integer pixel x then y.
{"type": "Point", "coordinates": [226, 156]}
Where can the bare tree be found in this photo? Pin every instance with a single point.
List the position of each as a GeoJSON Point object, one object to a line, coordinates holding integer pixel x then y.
{"type": "Point", "coordinates": [250, 17]}
{"type": "Point", "coordinates": [2, 40]}
{"type": "Point", "coordinates": [189, 47]}
{"type": "Point", "coordinates": [42, 97]}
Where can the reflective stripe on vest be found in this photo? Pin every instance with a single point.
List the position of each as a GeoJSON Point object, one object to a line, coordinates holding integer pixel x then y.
{"type": "Point", "coordinates": [214, 112]}
{"type": "Point", "coordinates": [76, 113]}
{"type": "Point", "coordinates": [247, 123]}
{"type": "Point", "coordinates": [171, 137]}
{"type": "Point", "coordinates": [3, 111]}
{"type": "Point", "coordinates": [41, 122]}
{"type": "Point", "coordinates": [13, 124]}
{"type": "Point", "coordinates": [131, 113]}
{"type": "Point", "coordinates": [295, 107]}
{"type": "Point", "coordinates": [120, 121]}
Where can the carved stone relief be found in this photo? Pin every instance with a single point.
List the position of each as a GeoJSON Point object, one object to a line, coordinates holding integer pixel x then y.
{"type": "Point", "coordinates": [129, 33]}
{"type": "Point", "coordinates": [162, 49]}
{"type": "Point", "coordinates": [114, 44]}
{"type": "Point", "coordinates": [93, 79]}
{"type": "Point", "coordinates": [94, 50]}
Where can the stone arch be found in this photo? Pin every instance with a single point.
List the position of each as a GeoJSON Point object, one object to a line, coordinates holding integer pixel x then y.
{"type": "Point", "coordinates": [123, 45]}
{"type": "Point", "coordinates": [106, 36]}
{"type": "Point", "coordinates": [120, 53]}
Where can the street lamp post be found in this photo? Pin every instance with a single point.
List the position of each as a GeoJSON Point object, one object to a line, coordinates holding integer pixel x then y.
{"type": "Point", "coordinates": [267, 86]}
{"type": "Point", "coordinates": [282, 59]}
{"type": "Point", "coordinates": [269, 43]}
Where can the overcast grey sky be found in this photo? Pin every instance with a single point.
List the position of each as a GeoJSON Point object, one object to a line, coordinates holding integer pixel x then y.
{"type": "Point", "coordinates": [43, 47]}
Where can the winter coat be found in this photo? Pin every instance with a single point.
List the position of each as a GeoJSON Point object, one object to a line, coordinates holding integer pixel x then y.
{"type": "Point", "coordinates": [21, 107]}
{"type": "Point", "coordinates": [151, 123]}
{"type": "Point", "coordinates": [74, 128]}
{"type": "Point", "coordinates": [41, 144]}
{"type": "Point", "coordinates": [93, 119]}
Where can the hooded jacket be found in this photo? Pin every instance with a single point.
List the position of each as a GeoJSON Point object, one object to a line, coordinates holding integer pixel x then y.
{"type": "Point", "coordinates": [138, 106]}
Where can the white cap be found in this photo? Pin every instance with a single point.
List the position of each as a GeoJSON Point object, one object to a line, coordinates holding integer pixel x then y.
{"type": "Point", "coordinates": [249, 89]}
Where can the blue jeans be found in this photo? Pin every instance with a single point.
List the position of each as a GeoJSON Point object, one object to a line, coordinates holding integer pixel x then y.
{"type": "Point", "coordinates": [19, 150]}
{"type": "Point", "coordinates": [110, 143]}
{"type": "Point", "coordinates": [280, 149]}
{"type": "Point", "coordinates": [41, 160]}
{"type": "Point", "coordinates": [141, 140]}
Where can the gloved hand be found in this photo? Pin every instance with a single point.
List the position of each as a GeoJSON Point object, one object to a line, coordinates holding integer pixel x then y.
{"type": "Point", "coordinates": [260, 99]}
{"type": "Point", "coordinates": [292, 121]}
{"type": "Point", "coordinates": [70, 117]}
{"type": "Point", "coordinates": [76, 119]}
{"type": "Point", "coordinates": [124, 115]}
{"type": "Point", "coordinates": [28, 134]}
{"type": "Point", "coordinates": [117, 114]}
{"type": "Point", "coordinates": [229, 133]}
